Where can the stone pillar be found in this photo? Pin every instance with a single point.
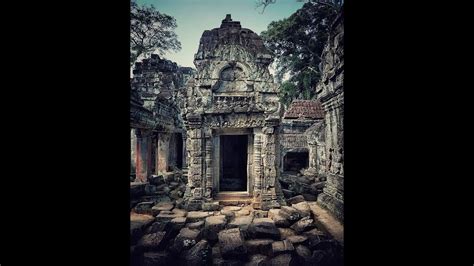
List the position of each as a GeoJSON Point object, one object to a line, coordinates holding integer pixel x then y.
{"type": "Point", "coordinates": [133, 151]}
{"type": "Point", "coordinates": [257, 164]}
{"type": "Point", "coordinates": [332, 100]}
{"type": "Point", "coordinates": [185, 161]}
{"type": "Point", "coordinates": [269, 195]}
{"type": "Point", "coordinates": [143, 152]}
{"type": "Point", "coordinates": [196, 183]}
{"type": "Point", "coordinates": [208, 152]}
{"type": "Point", "coordinates": [163, 152]}
{"type": "Point", "coordinates": [312, 156]}
{"type": "Point", "coordinates": [333, 193]}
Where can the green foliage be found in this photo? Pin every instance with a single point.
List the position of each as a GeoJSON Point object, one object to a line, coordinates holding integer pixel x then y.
{"type": "Point", "coordinates": [287, 92]}
{"type": "Point", "coordinates": [298, 42]}
{"type": "Point", "coordinates": [151, 32]}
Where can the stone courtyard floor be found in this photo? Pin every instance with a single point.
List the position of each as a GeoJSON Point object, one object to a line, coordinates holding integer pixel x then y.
{"type": "Point", "coordinates": [301, 233]}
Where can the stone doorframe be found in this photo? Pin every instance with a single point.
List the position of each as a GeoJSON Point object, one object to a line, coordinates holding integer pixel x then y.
{"type": "Point", "coordinates": [217, 163]}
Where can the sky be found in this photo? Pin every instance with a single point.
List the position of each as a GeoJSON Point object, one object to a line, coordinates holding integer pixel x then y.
{"type": "Point", "coordinates": [195, 16]}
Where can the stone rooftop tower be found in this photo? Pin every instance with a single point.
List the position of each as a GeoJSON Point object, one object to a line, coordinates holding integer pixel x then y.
{"type": "Point", "coordinates": [232, 104]}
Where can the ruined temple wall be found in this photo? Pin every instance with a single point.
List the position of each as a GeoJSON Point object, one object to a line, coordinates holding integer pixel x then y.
{"type": "Point", "coordinates": [331, 93]}
{"type": "Point", "coordinates": [155, 111]}
{"type": "Point", "coordinates": [292, 138]}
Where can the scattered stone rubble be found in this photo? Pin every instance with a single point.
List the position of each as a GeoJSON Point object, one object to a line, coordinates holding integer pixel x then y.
{"type": "Point", "coordinates": [162, 233]}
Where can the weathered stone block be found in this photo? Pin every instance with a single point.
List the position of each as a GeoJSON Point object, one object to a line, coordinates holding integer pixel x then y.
{"type": "Point", "coordinates": [150, 189]}
{"type": "Point", "coordinates": [257, 260]}
{"type": "Point", "coordinates": [199, 254]}
{"type": "Point", "coordinates": [297, 239]}
{"type": "Point", "coordinates": [157, 226]}
{"type": "Point", "coordinates": [168, 177]}
{"type": "Point", "coordinates": [176, 194]}
{"type": "Point", "coordinates": [154, 241]}
{"type": "Point", "coordinates": [194, 216]}
{"type": "Point", "coordinates": [264, 228]}
{"type": "Point", "coordinates": [287, 193]}
{"type": "Point", "coordinates": [162, 206]}
{"type": "Point", "coordinates": [179, 212]}
{"type": "Point", "coordinates": [224, 262]}
{"type": "Point", "coordinates": [283, 259]}
{"type": "Point", "coordinates": [137, 189]}
{"type": "Point", "coordinates": [286, 232]}
{"type": "Point", "coordinates": [165, 216]}
{"type": "Point", "coordinates": [310, 197]}
{"type": "Point", "coordinates": [304, 253]}
{"type": "Point", "coordinates": [260, 214]}
{"type": "Point", "coordinates": [243, 212]}
{"type": "Point", "coordinates": [284, 246]}
{"type": "Point", "coordinates": [144, 207]}
{"type": "Point", "coordinates": [262, 246]}
{"type": "Point", "coordinates": [295, 199]}
{"type": "Point", "coordinates": [156, 180]}
{"type": "Point", "coordinates": [242, 222]}
{"type": "Point", "coordinates": [231, 243]}
{"type": "Point", "coordinates": [210, 206]}
{"type": "Point", "coordinates": [212, 226]}
{"type": "Point", "coordinates": [279, 220]}
{"type": "Point", "coordinates": [302, 225]}
{"type": "Point", "coordinates": [228, 214]}
{"type": "Point", "coordinates": [138, 223]}
{"type": "Point", "coordinates": [290, 213]}
{"type": "Point", "coordinates": [154, 258]}
{"type": "Point", "coordinates": [195, 225]}
{"type": "Point", "coordinates": [303, 208]}
{"type": "Point", "coordinates": [185, 239]}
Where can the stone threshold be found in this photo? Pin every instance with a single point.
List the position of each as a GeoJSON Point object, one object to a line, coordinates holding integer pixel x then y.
{"type": "Point", "coordinates": [233, 198]}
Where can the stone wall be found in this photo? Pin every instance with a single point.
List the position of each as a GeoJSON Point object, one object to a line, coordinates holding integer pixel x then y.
{"type": "Point", "coordinates": [155, 115]}
{"type": "Point", "coordinates": [331, 94]}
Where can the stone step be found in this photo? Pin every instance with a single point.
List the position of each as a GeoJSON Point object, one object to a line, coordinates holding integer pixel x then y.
{"type": "Point", "coordinates": [234, 202]}
{"type": "Point", "coordinates": [327, 222]}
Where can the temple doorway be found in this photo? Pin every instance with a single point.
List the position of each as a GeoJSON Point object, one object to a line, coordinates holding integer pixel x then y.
{"type": "Point", "coordinates": [233, 163]}
{"type": "Point", "coordinates": [179, 150]}
{"type": "Point", "coordinates": [295, 161]}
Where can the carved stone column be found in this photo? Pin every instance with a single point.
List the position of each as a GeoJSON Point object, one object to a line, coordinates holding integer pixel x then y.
{"type": "Point", "coordinates": [185, 161]}
{"type": "Point", "coordinates": [163, 152]}
{"type": "Point", "coordinates": [143, 165]}
{"type": "Point", "coordinates": [196, 182]}
{"type": "Point", "coordinates": [133, 151]}
{"type": "Point", "coordinates": [332, 100]}
{"type": "Point", "coordinates": [269, 195]}
{"type": "Point", "coordinates": [257, 168]}
{"type": "Point", "coordinates": [208, 173]}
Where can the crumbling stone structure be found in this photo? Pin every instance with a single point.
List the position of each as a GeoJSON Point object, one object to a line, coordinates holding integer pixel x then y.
{"type": "Point", "coordinates": [302, 149]}
{"type": "Point", "coordinates": [156, 126]}
{"type": "Point", "coordinates": [299, 149]}
{"type": "Point", "coordinates": [232, 103]}
{"type": "Point", "coordinates": [331, 94]}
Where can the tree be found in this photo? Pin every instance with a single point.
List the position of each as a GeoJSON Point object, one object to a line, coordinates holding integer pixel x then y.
{"type": "Point", "coordinates": [337, 4]}
{"type": "Point", "coordinates": [151, 32]}
{"type": "Point", "coordinates": [298, 42]}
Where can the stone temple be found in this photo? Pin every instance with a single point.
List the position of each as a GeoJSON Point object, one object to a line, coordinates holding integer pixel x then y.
{"type": "Point", "coordinates": [221, 172]}
{"type": "Point", "coordinates": [231, 115]}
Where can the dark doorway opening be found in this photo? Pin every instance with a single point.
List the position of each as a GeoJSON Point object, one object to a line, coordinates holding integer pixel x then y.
{"type": "Point", "coordinates": [153, 155]}
{"type": "Point", "coordinates": [295, 161]}
{"type": "Point", "coordinates": [179, 150]}
{"type": "Point", "coordinates": [233, 153]}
